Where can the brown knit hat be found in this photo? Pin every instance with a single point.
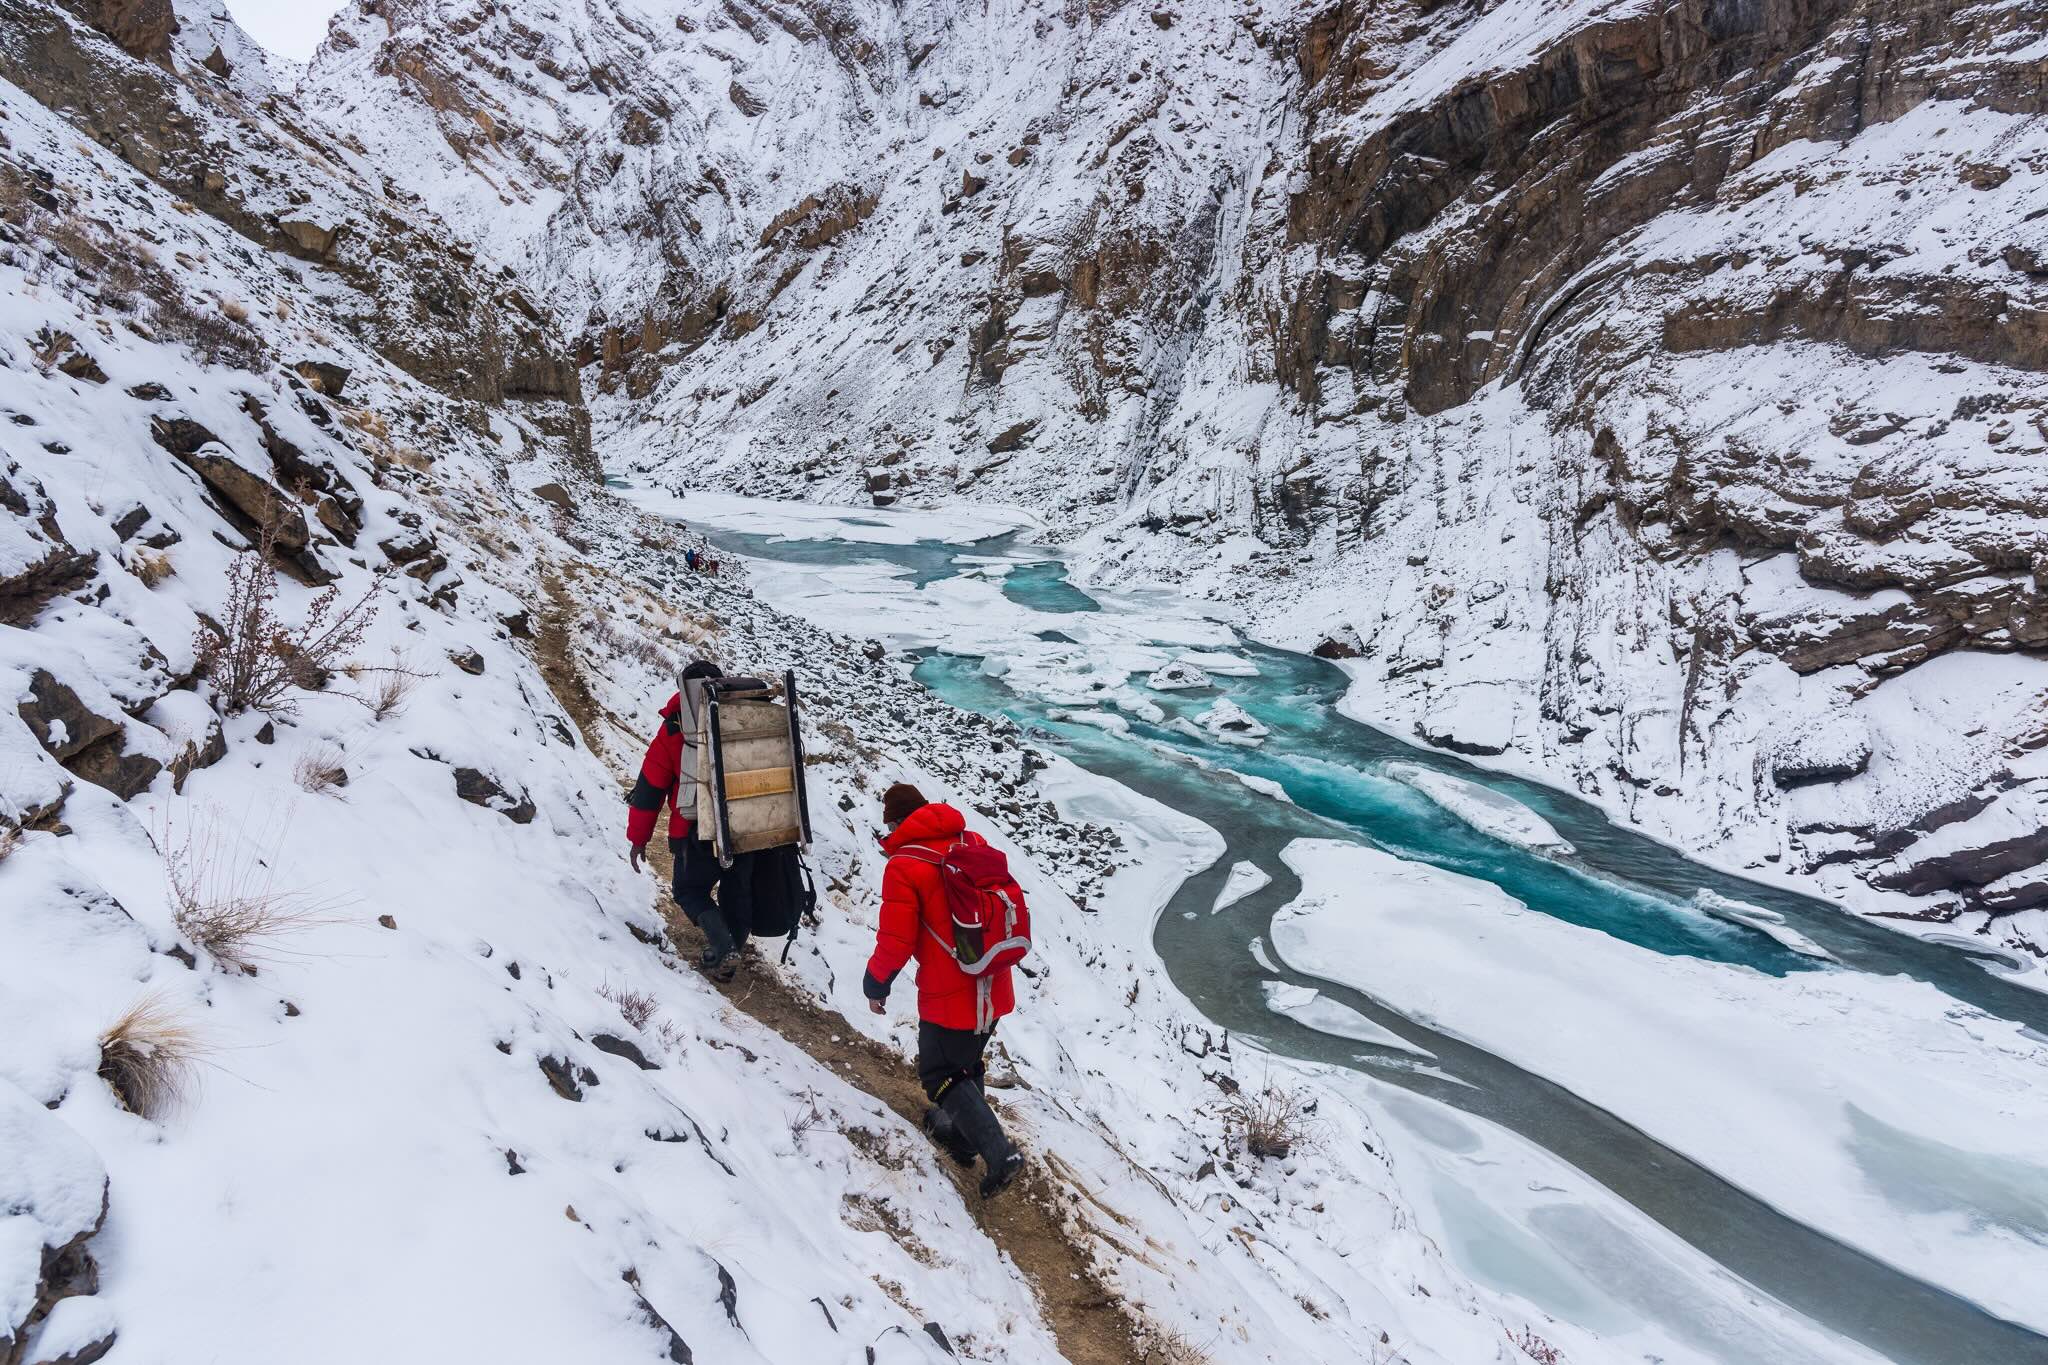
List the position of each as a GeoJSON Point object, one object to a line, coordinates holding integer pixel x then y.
{"type": "Point", "coordinates": [899, 802]}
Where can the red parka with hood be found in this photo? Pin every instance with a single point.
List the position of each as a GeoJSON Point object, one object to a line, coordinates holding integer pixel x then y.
{"type": "Point", "coordinates": [660, 772]}
{"type": "Point", "coordinates": [915, 923]}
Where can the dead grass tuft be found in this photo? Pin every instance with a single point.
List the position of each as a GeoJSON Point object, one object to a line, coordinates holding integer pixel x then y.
{"type": "Point", "coordinates": [225, 897]}
{"type": "Point", "coordinates": [234, 310]}
{"type": "Point", "coordinates": [147, 1056]}
{"type": "Point", "coordinates": [390, 686]}
{"type": "Point", "coordinates": [319, 769]}
{"type": "Point", "coordinates": [151, 566]}
{"type": "Point", "coordinates": [635, 1007]}
{"type": "Point", "coordinates": [1171, 1346]}
{"type": "Point", "coordinates": [629, 644]}
{"type": "Point", "coordinates": [10, 839]}
{"type": "Point", "coordinates": [1272, 1121]}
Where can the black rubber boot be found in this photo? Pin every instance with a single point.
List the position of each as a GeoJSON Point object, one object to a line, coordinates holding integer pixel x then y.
{"type": "Point", "coordinates": [978, 1125]}
{"type": "Point", "coordinates": [721, 956]}
{"type": "Point", "coordinates": [939, 1127]}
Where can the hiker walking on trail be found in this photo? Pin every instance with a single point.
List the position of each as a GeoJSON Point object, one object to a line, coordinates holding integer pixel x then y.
{"type": "Point", "coordinates": [669, 773]}
{"type": "Point", "coordinates": [949, 901]}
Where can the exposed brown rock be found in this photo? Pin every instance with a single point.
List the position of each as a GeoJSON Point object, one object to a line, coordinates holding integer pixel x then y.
{"type": "Point", "coordinates": [310, 240]}
{"type": "Point", "coordinates": [142, 27]}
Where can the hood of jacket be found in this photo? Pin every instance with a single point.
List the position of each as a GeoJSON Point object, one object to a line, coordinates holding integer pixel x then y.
{"type": "Point", "coordinates": [936, 820]}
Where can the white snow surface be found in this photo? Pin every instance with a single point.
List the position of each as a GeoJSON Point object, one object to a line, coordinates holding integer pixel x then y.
{"type": "Point", "coordinates": [1921, 1149]}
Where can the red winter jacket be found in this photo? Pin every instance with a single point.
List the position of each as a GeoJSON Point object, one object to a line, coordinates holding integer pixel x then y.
{"type": "Point", "coordinates": [658, 774]}
{"type": "Point", "coordinates": [916, 923]}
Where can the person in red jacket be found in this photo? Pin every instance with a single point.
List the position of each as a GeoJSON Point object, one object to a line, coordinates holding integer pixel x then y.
{"type": "Point", "coordinates": [669, 774]}
{"type": "Point", "coordinates": [956, 1012]}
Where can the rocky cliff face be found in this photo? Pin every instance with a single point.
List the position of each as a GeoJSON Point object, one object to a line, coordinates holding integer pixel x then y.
{"type": "Point", "coordinates": [1644, 393]}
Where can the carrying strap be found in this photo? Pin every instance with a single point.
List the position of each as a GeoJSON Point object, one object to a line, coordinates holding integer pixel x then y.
{"type": "Point", "coordinates": [807, 905]}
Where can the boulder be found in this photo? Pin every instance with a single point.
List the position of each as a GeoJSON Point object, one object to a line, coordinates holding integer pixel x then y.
{"type": "Point", "coordinates": [1012, 437]}
{"type": "Point", "coordinates": [1332, 647]}
{"type": "Point", "coordinates": [327, 378]}
{"type": "Point", "coordinates": [480, 789]}
{"type": "Point", "coordinates": [309, 240]}
{"type": "Point", "coordinates": [61, 721]}
{"type": "Point", "coordinates": [217, 62]}
{"type": "Point", "coordinates": [89, 745]}
{"type": "Point", "coordinates": [555, 495]}
{"type": "Point", "coordinates": [25, 592]}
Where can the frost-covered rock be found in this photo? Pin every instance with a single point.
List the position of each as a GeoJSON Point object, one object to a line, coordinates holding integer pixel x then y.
{"type": "Point", "coordinates": [1231, 723]}
{"type": "Point", "coordinates": [53, 1197]}
{"type": "Point", "coordinates": [1178, 676]}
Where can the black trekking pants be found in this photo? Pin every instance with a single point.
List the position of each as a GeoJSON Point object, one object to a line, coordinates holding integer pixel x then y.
{"type": "Point", "coordinates": [946, 1055]}
{"type": "Point", "coordinates": [728, 921]}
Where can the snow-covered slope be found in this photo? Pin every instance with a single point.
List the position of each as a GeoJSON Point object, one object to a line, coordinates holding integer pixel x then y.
{"type": "Point", "coordinates": [1643, 392]}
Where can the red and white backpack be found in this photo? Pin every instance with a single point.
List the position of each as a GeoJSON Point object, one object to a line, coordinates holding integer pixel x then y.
{"type": "Point", "coordinates": [991, 923]}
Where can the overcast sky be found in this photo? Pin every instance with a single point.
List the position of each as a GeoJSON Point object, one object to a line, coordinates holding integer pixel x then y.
{"type": "Point", "coordinates": [290, 28]}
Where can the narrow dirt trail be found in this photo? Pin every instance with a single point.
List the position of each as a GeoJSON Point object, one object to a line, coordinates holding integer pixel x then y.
{"type": "Point", "coordinates": [1025, 1222]}
{"type": "Point", "coordinates": [1082, 1313]}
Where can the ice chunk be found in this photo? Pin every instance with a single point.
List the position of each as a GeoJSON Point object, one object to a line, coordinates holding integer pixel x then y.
{"type": "Point", "coordinates": [1259, 954]}
{"type": "Point", "coordinates": [1232, 724]}
{"type": "Point", "coordinates": [1245, 878]}
{"type": "Point", "coordinates": [1492, 813]}
{"type": "Point", "coordinates": [1264, 786]}
{"type": "Point", "coordinates": [1767, 922]}
{"type": "Point", "coordinates": [1218, 664]}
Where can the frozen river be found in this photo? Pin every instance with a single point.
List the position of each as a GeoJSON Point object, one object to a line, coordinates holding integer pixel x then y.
{"type": "Point", "coordinates": [1756, 1112]}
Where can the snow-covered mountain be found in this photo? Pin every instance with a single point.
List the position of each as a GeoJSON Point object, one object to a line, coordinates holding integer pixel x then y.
{"type": "Point", "coordinates": [1646, 394]}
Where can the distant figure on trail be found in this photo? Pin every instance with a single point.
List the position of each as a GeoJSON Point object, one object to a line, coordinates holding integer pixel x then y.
{"type": "Point", "coordinates": [690, 558]}
{"type": "Point", "coordinates": [669, 773]}
{"type": "Point", "coordinates": [949, 901]}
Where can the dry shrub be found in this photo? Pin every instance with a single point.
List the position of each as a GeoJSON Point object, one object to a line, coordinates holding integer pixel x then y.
{"type": "Point", "coordinates": [1272, 1121]}
{"type": "Point", "coordinates": [234, 310]}
{"type": "Point", "coordinates": [389, 687]}
{"type": "Point", "coordinates": [366, 420]}
{"type": "Point", "coordinates": [1171, 1346]}
{"type": "Point", "coordinates": [621, 644]}
{"type": "Point", "coordinates": [1536, 1348]}
{"type": "Point", "coordinates": [225, 897]}
{"type": "Point", "coordinates": [151, 566]}
{"type": "Point", "coordinates": [254, 660]}
{"type": "Point", "coordinates": [146, 1058]}
{"type": "Point", "coordinates": [635, 1007]}
{"type": "Point", "coordinates": [10, 839]}
{"type": "Point", "coordinates": [319, 769]}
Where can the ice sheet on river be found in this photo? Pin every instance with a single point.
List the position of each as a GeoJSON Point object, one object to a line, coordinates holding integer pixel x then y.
{"type": "Point", "coordinates": [1310, 1008]}
{"type": "Point", "coordinates": [1492, 813]}
{"type": "Point", "coordinates": [1876, 1109]}
{"type": "Point", "coordinates": [959, 524]}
